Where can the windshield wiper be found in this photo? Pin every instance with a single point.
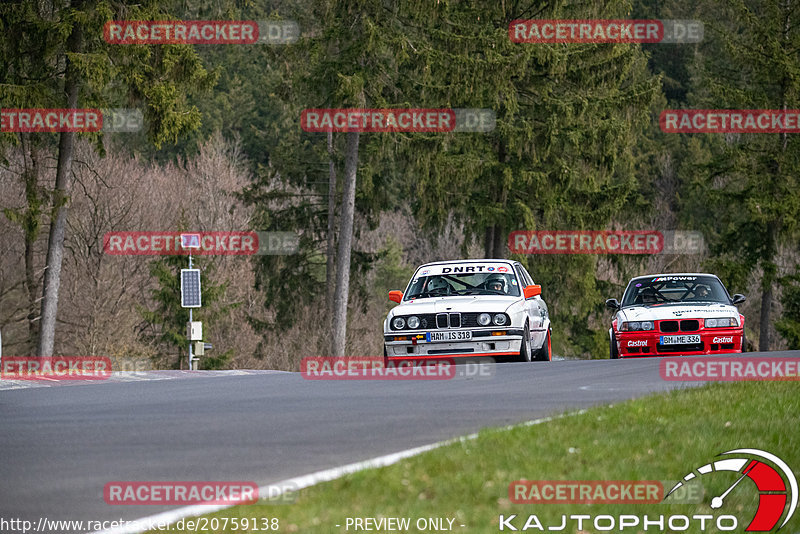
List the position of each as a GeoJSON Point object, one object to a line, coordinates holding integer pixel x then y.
{"type": "Point", "coordinates": [492, 291]}
{"type": "Point", "coordinates": [467, 291]}
{"type": "Point", "coordinates": [431, 293]}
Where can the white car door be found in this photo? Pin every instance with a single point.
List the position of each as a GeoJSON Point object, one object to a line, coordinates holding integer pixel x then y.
{"type": "Point", "coordinates": [537, 310]}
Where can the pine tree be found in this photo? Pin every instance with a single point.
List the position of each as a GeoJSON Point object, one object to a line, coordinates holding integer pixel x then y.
{"type": "Point", "coordinates": [746, 194]}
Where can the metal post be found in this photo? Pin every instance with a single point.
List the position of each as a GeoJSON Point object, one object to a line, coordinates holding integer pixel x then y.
{"type": "Point", "coordinates": [191, 362]}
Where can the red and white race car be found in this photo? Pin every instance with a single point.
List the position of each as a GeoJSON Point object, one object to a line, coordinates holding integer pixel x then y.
{"type": "Point", "coordinates": [684, 313]}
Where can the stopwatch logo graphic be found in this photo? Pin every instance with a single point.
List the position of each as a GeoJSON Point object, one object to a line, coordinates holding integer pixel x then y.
{"type": "Point", "coordinates": [775, 487]}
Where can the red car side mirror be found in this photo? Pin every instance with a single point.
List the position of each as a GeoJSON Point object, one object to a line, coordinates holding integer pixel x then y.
{"type": "Point", "coordinates": [396, 296]}
{"type": "Point", "coordinates": [532, 291]}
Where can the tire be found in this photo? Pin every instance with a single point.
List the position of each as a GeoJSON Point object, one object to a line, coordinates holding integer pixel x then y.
{"type": "Point", "coordinates": [525, 346]}
{"type": "Point", "coordinates": [744, 342]}
{"type": "Point", "coordinates": [545, 354]}
{"type": "Point", "coordinates": [612, 348]}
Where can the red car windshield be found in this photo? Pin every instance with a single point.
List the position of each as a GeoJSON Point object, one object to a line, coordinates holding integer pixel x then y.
{"type": "Point", "coordinates": [675, 289]}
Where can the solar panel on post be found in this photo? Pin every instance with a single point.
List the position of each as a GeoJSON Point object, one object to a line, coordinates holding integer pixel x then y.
{"type": "Point", "coordinates": [190, 288]}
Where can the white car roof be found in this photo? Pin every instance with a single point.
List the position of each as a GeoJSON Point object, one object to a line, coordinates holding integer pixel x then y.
{"type": "Point", "coordinates": [479, 260]}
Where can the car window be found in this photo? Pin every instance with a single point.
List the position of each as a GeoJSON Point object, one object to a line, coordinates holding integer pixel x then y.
{"type": "Point", "coordinates": [520, 276]}
{"type": "Point", "coordinates": [675, 289]}
{"type": "Point", "coordinates": [446, 285]}
{"type": "Point", "coordinates": [526, 276]}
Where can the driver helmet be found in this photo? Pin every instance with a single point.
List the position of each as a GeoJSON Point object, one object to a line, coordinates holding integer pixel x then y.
{"type": "Point", "coordinates": [438, 283]}
{"type": "Point", "coordinates": [702, 292]}
{"type": "Point", "coordinates": [496, 282]}
{"type": "Point", "coordinates": [649, 296]}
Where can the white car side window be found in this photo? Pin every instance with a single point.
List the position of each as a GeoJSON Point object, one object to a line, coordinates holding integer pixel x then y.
{"type": "Point", "coordinates": [524, 276]}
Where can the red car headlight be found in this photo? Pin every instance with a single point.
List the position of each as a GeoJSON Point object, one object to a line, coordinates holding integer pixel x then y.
{"type": "Point", "coordinates": [722, 322]}
{"type": "Point", "coordinates": [629, 326]}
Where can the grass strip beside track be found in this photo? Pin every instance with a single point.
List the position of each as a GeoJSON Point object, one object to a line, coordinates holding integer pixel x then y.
{"type": "Point", "coordinates": [660, 437]}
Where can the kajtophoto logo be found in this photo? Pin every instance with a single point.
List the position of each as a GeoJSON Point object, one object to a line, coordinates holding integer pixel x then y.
{"type": "Point", "coordinates": [774, 485]}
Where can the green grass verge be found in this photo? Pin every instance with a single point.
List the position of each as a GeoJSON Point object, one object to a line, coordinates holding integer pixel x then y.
{"type": "Point", "coordinates": [661, 437]}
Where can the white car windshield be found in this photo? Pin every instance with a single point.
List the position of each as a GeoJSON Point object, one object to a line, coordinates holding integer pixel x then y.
{"type": "Point", "coordinates": [463, 284]}
{"type": "Point", "coordinates": [675, 289]}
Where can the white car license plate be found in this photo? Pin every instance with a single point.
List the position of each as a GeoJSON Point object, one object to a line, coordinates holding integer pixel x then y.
{"type": "Point", "coordinates": [449, 335]}
{"type": "Point", "coordinates": [680, 340]}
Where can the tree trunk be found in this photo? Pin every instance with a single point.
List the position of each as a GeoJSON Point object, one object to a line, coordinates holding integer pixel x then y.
{"type": "Point", "coordinates": [31, 286]}
{"type": "Point", "coordinates": [58, 222]}
{"type": "Point", "coordinates": [767, 283]}
{"type": "Point", "coordinates": [345, 245]}
{"type": "Point", "coordinates": [495, 242]}
{"type": "Point", "coordinates": [499, 241]}
{"type": "Point", "coordinates": [31, 227]}
{"type": "Point", "coordinates": [330, 262]}
{"type": "Point", "coordinates": [766, 304]}
{"type": "Point", "coordinates": [488, 243]}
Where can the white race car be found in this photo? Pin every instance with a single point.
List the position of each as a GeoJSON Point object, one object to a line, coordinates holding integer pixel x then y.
{"type": "Point", "coordinates": [682, 313]}
{"type": "Point", "coordinates": [468, 308]}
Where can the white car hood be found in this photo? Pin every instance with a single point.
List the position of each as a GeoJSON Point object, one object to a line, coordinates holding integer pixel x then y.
{"type": "Point", "coordinates": [469, 303]}
{"type": "Point", "coordinates": [678, 311]}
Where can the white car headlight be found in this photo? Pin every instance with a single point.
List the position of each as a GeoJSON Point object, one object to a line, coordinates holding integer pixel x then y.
{"type": "Point", "coordinates": [499, 319]}
{"type": "Point", "coordinates": [398, 323]}
{"type": "Point", "coordinates": [722, 322]}
{"type": "Point", "coordinates": [484, 319]}
{"type": "Point", "coordinates": [413, 322]}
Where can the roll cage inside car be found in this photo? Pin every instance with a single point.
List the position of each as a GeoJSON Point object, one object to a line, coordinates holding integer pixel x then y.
{"type": "Point", "coordinates": [468, 288]}
{"type": "Point", "coordinates": [677, 291]}
{"type": "Point", "coordinates": [526, 286]}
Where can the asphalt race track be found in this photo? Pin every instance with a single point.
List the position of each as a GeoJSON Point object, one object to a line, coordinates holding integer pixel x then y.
{"type": "Point", "coordinates": [59, 445]}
